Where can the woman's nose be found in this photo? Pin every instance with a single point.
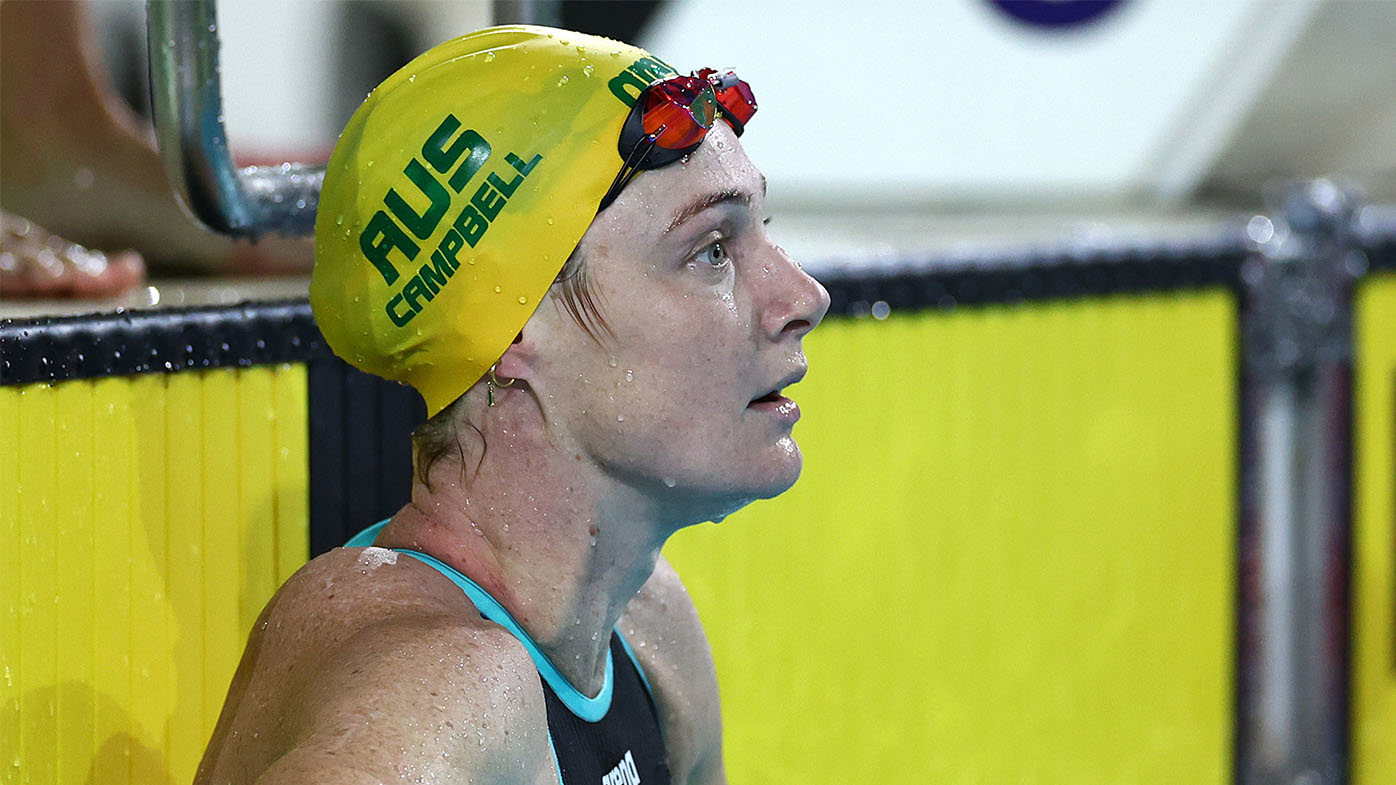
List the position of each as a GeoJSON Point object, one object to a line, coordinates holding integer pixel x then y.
{"type": "Point", "coordinates": [798, 302]}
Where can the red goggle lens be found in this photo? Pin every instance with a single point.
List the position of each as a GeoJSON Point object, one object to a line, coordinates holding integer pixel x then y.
{"type": "Point", "coordinates": [735, 96]}
{"type": "Point", "coordinates": [679, 112]}
{"type": "Point", "coordinates": [671, 117]}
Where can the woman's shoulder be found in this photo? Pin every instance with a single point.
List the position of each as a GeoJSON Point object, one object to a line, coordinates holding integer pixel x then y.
{"type": "Point", "coordinates": [664, 631]}
{"type": "Point", "coordinates": [378, 605]}
{"type": "Point", "coordinates": [364, 651]}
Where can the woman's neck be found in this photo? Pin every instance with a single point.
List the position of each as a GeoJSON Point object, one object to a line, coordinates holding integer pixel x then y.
{"type": "Point", "coordinates": [562, 547]}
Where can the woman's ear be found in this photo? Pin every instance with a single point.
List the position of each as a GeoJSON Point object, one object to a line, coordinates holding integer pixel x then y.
{"type": "Point", "coordinates": [519, 360]}
{"type": "Point", "coordinates": [534, 345]}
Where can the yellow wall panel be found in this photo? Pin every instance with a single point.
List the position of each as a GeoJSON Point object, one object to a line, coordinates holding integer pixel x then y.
{"type": "Point", "coordinates": [152, 616]}
{"type": "Point", "coordinates": [184, 565]}
{"type": "Point", "coordinates": [150, 518]}
{"type": "Point", "coordinates": [223, 632]}
{"type": "Point", "coordinates": [1010, 558]}
{"type": "Point", "coordinates": [256, 438]}
{"type": "Point", "coordinates": [290, 424]}
{"type": "Point", "coordinates": [74, 608]}
{"type": "Point", "coordinates": [1374, 536]}
{"type": "Point", "coordinates": [9, 588]}
{"type": "Point", "coordinates": [113, 493]}
{"type": "Point", "coordinates": [37, 677]}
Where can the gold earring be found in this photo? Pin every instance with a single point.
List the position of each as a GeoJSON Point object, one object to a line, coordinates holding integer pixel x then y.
{"type": "Point", "coordinates": [492, 381]}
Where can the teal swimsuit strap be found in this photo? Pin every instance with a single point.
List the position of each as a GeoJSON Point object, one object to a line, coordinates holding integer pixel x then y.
{"type": "Point", "coordinates": [490, 608]}
{"type": "Point", "coordinates": [589, 709]}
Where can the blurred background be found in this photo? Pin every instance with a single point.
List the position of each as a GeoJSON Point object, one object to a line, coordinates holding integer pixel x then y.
{"type": "Point", "coordinates": [1100, 434]}
{"type": "Point", "coordinates": [928, 127]}
{"type": "Point", "coordinates": [959, 110]}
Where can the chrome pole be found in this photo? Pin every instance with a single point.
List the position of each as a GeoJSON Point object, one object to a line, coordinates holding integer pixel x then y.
{"type": "Point", "coordinates": [1296, 333]}
{"type": "Point", "coordinates": [188, 108]}
{"type": "Point", "coordinates": [528, 12]}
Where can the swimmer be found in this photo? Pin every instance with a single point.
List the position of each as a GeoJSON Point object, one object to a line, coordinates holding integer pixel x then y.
{"type": "Point", "coordinates": [559, 241]}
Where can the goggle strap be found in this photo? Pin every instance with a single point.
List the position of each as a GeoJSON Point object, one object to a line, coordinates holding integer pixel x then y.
{"type": "Point", "coordinates": [629, 169]}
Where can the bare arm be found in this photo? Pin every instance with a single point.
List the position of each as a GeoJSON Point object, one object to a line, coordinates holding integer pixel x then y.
{"type": "Point", "coordinates": [339, 685]}
{"type": "Point", "coordinates": [663, 629]}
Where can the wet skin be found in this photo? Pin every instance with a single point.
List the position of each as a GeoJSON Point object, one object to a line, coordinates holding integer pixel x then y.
{"type": "Point", "coordinates": [361, 671]}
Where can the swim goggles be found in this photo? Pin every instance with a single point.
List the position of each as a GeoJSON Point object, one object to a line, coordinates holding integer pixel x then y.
{"type": "Point", "coordinates": [671, 118]}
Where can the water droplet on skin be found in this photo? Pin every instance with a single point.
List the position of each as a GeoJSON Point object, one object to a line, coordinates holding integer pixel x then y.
{"type": "Point", "coordinates": [374, 557]}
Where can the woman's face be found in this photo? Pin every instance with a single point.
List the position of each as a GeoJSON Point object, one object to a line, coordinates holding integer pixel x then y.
{"type": "Point", "coordinates": [705, 317]}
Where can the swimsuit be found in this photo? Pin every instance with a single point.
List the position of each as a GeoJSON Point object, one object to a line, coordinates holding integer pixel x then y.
{"type": "Point", "coordinates": [611, 739]}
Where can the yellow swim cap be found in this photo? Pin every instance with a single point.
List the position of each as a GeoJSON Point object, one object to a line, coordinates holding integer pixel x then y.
{"type": "Point", "coordinates": [456, 193]}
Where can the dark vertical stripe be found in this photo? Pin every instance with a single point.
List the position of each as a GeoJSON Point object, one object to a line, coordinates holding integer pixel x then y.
{"type": "Point", "coordinates": [401, 409]}
{"type": "Point", "coordinates": [325, 388]}
{"type": "Point", "coordinates": [362, 456]}
{"type": "Point", "coordinates": [360, 450]}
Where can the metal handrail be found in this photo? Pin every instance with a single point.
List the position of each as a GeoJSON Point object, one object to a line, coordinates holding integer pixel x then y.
{"type": "Point", "coordinates": [188, 108]}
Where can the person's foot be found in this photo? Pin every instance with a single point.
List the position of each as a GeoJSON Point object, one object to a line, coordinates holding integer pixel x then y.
{"type": "Point", "coordinates": [35, 263]}
{"type": "Point", "coordinates": [79, 163]}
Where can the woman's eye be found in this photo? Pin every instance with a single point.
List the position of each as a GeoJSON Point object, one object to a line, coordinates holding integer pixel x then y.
{"type": "Point", "coordinates": [714, 255]}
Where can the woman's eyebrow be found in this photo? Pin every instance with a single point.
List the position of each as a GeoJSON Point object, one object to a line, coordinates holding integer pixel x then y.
{"type": "Point", "coordinates": [704, 202]}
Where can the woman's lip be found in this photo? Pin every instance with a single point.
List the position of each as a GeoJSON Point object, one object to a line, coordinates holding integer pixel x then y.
{"type": "Point", "coordinates": [780, 407]}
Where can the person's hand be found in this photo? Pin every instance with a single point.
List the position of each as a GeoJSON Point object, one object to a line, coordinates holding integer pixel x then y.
{"type": "Point", "coordinates": [35, 263]}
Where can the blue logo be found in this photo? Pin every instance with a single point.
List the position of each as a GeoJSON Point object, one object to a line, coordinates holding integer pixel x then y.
{"type": "Point", "coordinates": [1056, 14]}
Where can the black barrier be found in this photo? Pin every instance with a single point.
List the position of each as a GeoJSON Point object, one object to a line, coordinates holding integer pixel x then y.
{"type": "Point", "coordinates": [56, 349]}
{"type": "Point", "coordinates": [1048, 273]}
{"type": "Point", "coordinates": [361, 457]}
